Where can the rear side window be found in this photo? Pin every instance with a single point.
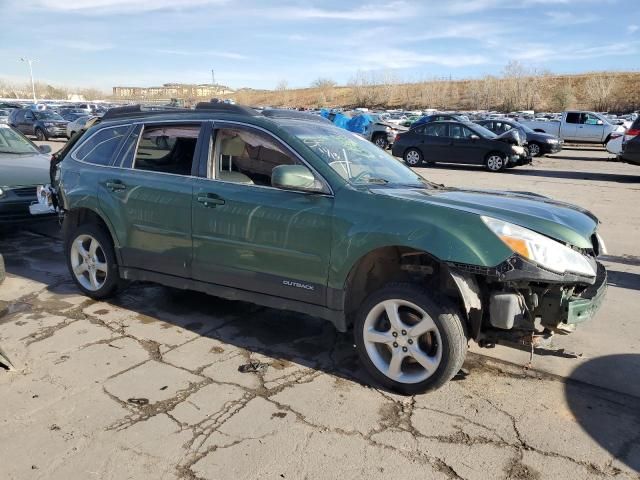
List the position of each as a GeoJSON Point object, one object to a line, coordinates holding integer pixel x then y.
{"type": "Point", "coordinates": [167, 149]}
{"type": "Point", "coordinates": [573, 117]}
{"type": "Point", "coordinates": [100, 148]}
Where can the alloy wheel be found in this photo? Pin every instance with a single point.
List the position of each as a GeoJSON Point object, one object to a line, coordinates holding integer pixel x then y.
{"type": "Point", "coordinates": [534, 150]}
{"type": "Point", "coordinates": [402, 341]}
{"type": "Point", "coordinates": [380, 142]}
{"type": "Point", "coordinates": [89, 262]}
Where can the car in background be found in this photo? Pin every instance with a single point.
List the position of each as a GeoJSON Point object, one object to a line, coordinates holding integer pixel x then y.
{"type": "Point", "coordinates": [77, 125]}
{"type": "Point", "coordinates": [381, 132]}
{"type": "Point", "coordinates": [70, 116]}
{"type": "Point", "coordinates": [459, 142]}
{"type": "Point", "coordinates": [538, 143]}
{"type": "Point", "coordinates": [4, 116]}
{"type": "Point", "coordinates": [631, 144]}
{"type": "Point", "coordinates": [441, 117]}
{"type": "Point", "coordinates": [23, 167]}
{"type": "Point", "coordinates": [577, 126]}
{"type": "Point", "coordinates": [44, 124]}
{"type": "Point", "coordinates": [614, 145]}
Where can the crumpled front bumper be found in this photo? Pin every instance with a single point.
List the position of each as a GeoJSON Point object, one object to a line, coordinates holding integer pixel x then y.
{"type": "Point", "coordinates": [582, 308]}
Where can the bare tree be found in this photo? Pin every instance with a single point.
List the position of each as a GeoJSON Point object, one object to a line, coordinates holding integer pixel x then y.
{"type": "Point", "coordinates": [283, 92]}
{"type": "Point", "coordinates": [562, 97]}
{"type": "Point", "coordinates": [598, 90]}
{"type": "Point", "coordinates": [326, 87]}
{"type": "Point", "coordinates": [363, 89]}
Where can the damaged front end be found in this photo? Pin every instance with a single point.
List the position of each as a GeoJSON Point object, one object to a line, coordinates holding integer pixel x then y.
{"type": "Point", "coordinates": [523, 304]}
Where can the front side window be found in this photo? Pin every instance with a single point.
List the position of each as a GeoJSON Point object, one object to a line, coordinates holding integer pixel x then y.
{"type": "Point", "coordinates": [460, 131]}
{"type": "Point", "coordinates": [246, 156]}
{"type": "Point", "coordinates": [589, 119]}
{"type": "Point", "coordinates": [355, 159]}
{"type": "Point", "coordinates": [167, 148]}
{"type": "Point", "coordinates": [101, 147]}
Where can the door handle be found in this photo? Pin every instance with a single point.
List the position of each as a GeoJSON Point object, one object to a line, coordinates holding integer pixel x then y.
{"type": "Point", "coordinates": [210, 200]}
{"type": "Point", "coordinates": [115, 185]}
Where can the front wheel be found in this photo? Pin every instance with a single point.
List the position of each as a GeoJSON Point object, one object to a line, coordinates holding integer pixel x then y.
{"type": "Point", "coordinates": [40, 135]}
{"type": "Point", "coordinates": [92, 262]}
{"type": "Point", "coordinates": [534, 150]}
{"type": "Point", "coordinates": [413, 157]}
{"type": "Point", "coordinates": [410, 340]}
{"type": "Point", "coordinates": [381, 141]}
{"type": "Point", "coordinates": [495, 162]}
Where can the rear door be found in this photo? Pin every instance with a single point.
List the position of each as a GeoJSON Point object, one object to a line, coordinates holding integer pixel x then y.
{"type": "Point", "coordinates": [569, 127]}
{"type": "Point", "coordinates": [436, 143]}
{"type": "Point", "coordinates": [250, 235]}
{"type": "Point", "coordinates": [148, 198]}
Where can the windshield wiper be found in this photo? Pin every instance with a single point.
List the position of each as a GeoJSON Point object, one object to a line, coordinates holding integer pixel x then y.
{"type": "Point", "coordinates": [381, 181]}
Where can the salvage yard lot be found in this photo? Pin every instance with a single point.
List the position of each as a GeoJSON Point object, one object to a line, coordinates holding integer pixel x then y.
{"type": "Point", "coordinates": [159, 384]}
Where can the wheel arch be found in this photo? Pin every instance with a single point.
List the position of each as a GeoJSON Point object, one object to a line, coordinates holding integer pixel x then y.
{"type": "Point", "coordinates": [397, 263]}
{"type": "Point", "coordinates": [80, 215]}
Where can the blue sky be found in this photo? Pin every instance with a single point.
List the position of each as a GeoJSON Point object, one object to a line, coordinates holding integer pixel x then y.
{"type": "Point", "coordinates": [257, 43]}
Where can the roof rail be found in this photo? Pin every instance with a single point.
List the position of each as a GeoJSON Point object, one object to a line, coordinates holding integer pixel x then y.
{"type": "Point", "coordinates": [293, 114]}
{"type": "Point", "coordinates": [226, 108]}
{"type": "Point", "coordinates": [136, 110]}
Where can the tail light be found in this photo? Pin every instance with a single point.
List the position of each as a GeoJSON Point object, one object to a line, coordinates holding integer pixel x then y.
{"type": "Point", "coordinates": [629, 134]}
{"type": "Point", "coordinates": [397, 138]}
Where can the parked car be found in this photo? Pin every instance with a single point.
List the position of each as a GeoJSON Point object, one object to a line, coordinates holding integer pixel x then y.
{"type": "Point", "coordinates": [77, 125]}
{"type": "Point", "coordinates": [537, 143]}
{"type": "Point", "coordinates": [71, 116]}
{"type": "Point", "coordinates": [459, 142]}
{"type": "Point", "coordinates": [44, 124]}
{"type": "Point", "coordinates": [614, 144]}
{"type": "Point", "coordinates": [381, 132]}
{"type": "Point", "coordinates": [284, 211]}
{"type": "Point", "coordinates": [4, 116]}
{"type": "Point", "coordinates": [631, 144]}
{"type": "Point", "coordinates": [440, 117]}
{"type": "Point", "coordinates": [577, 126]}
{"type": "Point", "coordinates": [23, 167]}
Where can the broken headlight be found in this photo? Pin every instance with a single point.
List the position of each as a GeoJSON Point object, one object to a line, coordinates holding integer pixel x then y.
{"type": "Point", "coordinates": [542, 250]}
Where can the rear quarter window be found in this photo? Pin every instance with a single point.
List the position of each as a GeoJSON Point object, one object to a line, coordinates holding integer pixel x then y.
{"type": "Point", "coordinates": [101, 147]}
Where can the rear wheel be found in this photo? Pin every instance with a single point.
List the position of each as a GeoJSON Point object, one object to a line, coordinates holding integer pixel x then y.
{"type": "Point", "coordinates": [413, 157]}
{"type": "Point", "coordinates": [410, 340]}
{"type": "Point", "coordinates": [495, 162]}
{"type": "Point", "coordinates": [91, 261]}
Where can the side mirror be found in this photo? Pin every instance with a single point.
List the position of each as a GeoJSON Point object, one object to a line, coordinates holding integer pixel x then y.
{"type": "Point", "coordinates": [44, 149]}
{"type": "Point", "coordinates": [295, 177]}
{"type": "Point", "coordinates": [474, 137]}
{"type": "Point", "coordinates": [599, 122]}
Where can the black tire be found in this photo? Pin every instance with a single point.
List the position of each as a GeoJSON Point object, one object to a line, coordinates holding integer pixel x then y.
{"type": "Point", "coordinates": [490, 162]}
{"type": "Point", "coordinates": [112, 280]}
{"type": "Point", "coordinates": [411, 159]}
{"type": "Point", "coordinates": [448, 320]}
{"type": "Point", "coordinates": [381, 141]}
{"type": "Point", "coordinates": [532, 148]}
{"type": "Point", "coordinates": [41, 136]}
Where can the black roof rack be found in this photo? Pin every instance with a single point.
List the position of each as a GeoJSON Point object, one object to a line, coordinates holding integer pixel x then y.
{"type": "Point", "coordinates": [135, 110]}
{"type": "Point", "coordinates": [293, 114]}
{"type": "Point", "coordinates": [226, 108]}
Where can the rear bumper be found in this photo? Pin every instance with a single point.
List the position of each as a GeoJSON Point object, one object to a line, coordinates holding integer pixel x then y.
{"type": "Point", "coordinates": [583, 308]}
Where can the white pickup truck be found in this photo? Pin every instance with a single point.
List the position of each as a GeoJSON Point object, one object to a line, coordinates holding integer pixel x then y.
{"type": "Point", "coordinates": [578, 126]}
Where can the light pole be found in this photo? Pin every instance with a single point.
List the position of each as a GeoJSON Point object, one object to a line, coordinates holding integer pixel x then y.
{"type": "Point", "coordinates": [33, 85]}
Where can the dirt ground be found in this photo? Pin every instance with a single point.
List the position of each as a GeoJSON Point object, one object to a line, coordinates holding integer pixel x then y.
{"type": "Point", "coordinates": [162, 384]}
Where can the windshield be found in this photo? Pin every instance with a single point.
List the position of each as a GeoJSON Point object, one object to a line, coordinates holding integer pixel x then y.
{"type": "Point", "coordinates": [484, 132]}
{"type": "Point", "coordinates": [355, 159]}
{"type": "Point", "coordinates": [13, 142]}
{"type": "Point", "coordinates": [525, 128]}
{"type": "Point", "coordinates": [47, 115]}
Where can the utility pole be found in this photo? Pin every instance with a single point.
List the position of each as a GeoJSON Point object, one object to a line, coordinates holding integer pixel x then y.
{"type": "Point", "coordinates": [33, 85]}
{"type": "Point", "coordinates": [213, 77]}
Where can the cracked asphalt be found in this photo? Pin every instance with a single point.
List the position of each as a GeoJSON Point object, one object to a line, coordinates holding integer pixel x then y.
{"type": "Point", "coordinates": [163, 384]}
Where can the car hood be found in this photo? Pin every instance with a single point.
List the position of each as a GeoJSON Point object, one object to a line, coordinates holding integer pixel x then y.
{"type": "Point", "coordinates": [561, 221]}
{"type": "Point", "coordinates": [23, 170]}
{"type": "Point", "coordinates": [395, 126]}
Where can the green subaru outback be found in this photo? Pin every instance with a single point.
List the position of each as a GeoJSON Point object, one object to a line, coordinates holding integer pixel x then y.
{"type": "Point", "coordinates": [283, 209]}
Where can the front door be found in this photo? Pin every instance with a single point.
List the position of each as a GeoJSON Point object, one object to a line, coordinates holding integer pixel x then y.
{"type": "Point", "coordinates": [589, 130]}
{"type": "Point", "coordinates": [149, 199]}
{"type": "Point", "coordinates": [464, 147]}
{"type": "Point", "coordinates": [250, 235]}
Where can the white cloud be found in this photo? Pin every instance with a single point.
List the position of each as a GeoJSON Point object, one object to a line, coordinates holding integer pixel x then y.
{"type": "Point", "coordinates": [403, 58]}
{"type": "Point", "coordinates": [121, 6]}
{"type": "Point", "coordinates": [369, 12]}
{"type": "Point", "coordinates": [83, 46]}
{"type": "Point", "coordinates": [569, 18]}
{"type": "Point", "coordinates": [632, 28]}
{"type": "Point", "coordinates": [202, 53]}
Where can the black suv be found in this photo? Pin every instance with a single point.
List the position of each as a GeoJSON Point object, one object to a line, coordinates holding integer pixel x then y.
{"type": "Point", "coordinates": [631, 144]}
{"type": "Point", "coordinates": [44, 124]}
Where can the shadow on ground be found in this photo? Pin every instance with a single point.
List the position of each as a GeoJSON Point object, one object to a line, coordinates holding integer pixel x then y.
{"type": "Point", "coordinates": [611, 419]}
